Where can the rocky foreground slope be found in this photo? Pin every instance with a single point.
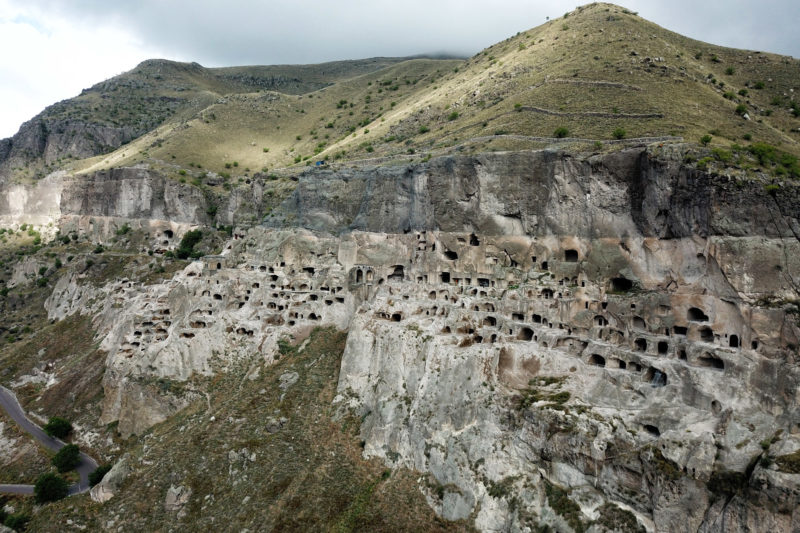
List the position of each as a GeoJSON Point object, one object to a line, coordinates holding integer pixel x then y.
{"type": "Point", "coordinates": [556, 340]}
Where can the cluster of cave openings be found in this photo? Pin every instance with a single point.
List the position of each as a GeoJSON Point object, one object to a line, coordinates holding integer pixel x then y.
{"type": "Point", "coordinates": [364, 275]}
{"type": "Point", "coordinates": [571, 256]}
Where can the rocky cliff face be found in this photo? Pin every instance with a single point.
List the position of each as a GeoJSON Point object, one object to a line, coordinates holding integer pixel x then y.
{"type": "Point", "coordinates": [632, 192]}
{"type": "Point", "coordinates": [551, 338]}
{"type": "Point", "coordinates": [41, 141]}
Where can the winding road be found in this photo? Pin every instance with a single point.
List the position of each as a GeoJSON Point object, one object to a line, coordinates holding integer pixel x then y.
{"type": "Point", "coordinates": [10, 404]}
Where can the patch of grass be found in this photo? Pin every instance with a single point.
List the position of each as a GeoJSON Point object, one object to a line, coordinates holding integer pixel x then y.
{"type": "Point", "coordinates": [665, 467]}
{"type": "Point", "coordinates": [614, 518]}
{"type": "Point", "coordinates": [558, 499]}
{"type": "Point", "coordinates": [789, 463]}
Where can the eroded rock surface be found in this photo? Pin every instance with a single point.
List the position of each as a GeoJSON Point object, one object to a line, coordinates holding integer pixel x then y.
{"type": "Point", "coordinates": [617, 330]}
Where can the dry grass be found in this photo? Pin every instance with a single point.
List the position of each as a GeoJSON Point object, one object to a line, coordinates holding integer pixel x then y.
{"type": "Point", "coordinates": [598, 59]}
{"type": "Point", "coordinates": [307, 476]}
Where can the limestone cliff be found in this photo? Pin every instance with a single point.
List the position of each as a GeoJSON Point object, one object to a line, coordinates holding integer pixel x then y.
{"type": "Point", "coordinates": [616, 330]}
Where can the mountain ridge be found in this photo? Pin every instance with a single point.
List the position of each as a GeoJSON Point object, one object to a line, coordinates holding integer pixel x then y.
{"type": "Point", "coordinates": [596, 73]}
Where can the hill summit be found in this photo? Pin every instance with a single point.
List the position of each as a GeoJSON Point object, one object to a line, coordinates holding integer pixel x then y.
{"type": "Point", "coordinates": [598, 73]}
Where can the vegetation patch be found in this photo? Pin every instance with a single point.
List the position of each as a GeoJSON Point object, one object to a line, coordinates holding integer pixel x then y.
{"type": "Point", "coordinates": [614, 518]}
{"type": "Point", "coordinates": [789, 463]}
{"type": "Point", "coordinates": [558, 499]}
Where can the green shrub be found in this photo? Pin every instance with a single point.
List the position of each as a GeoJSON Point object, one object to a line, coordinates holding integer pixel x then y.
{"type": "Point", "coordinates": [747, 137]}
{"type": "Point", "coordinates": [182, 172]}
{"type": "Point", "coordinates": [743, 92]}
{"type": "Point", "coordinates": [98, 249]}
{"type": "Point", "coordinates": [619, 133]}
{"type": "Point", "coordinates": [561, 132]}
{"type": "Point", "coordinates": [96, 476]}
{"type": "Point", "coordinates": [452, 116]}
{"type": "Point", "coordinates": [705, 140]}
{"type": "Point", "coordinates": [58, 427]}
{"type": "Point", "coordinates": [424, 129]}
{"type": "Point", "coordinates": [730, 71]}
{"type": "Point", "coordinates": [702, 164]}
{"type": "Point", "coordinates": [517, 107]}
{"type": "Point", "coordinates": [558, 499]}
{"type": "Point", "coordinates": [124, 229]}
{"type": "Point", "coordinates": [49, 488]}
{"type": "Point", "coordinates": [67, 458]}
{"type": "Point", "coordinates": [17, 522]}
{"type": "Point", "coordinates": [741, 109]}
{"type": "Point", "coordinates": [614, 518]}
{"type": "Point", "coordinates": [722, 155]}
{"type": "Point", "coordinates": [759, 85]}
{"type": "Point", "coordinates": [188, 242]}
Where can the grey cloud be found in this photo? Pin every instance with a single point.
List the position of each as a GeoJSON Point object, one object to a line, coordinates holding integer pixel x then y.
{"type": "Point", "coordinates": [239, 32]}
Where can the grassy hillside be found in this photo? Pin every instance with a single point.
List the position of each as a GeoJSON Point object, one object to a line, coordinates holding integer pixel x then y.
{"type": "Point", "coordinates": [156, 92]}
{"type": "Point", "coordinates": [599, 73]}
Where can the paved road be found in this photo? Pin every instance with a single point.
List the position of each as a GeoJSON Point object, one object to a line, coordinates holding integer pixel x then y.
{"type": "Point", "coordinates": [9, 403]}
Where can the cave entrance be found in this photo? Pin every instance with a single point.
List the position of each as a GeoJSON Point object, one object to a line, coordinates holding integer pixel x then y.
{"type": "Point", "coordinates": [597, 360]}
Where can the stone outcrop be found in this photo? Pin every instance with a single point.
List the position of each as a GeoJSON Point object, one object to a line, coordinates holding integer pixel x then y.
{"type": "Point", "coordinates": [111, 483]}
{"type": "Point", "coordinates": [46, 140]}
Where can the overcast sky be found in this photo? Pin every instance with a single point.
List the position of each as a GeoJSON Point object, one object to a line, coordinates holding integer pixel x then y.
{"type": "Point", "coordinates": [51, 49]}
